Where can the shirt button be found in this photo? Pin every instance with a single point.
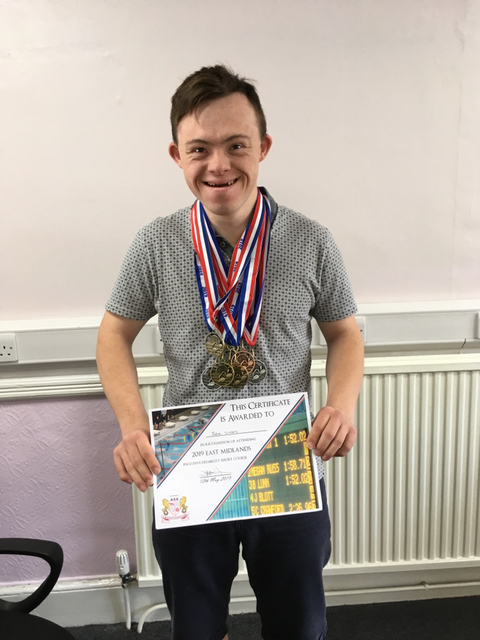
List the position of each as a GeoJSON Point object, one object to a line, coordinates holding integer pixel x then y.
{"type": "Point", "coordinates": [222, 244]}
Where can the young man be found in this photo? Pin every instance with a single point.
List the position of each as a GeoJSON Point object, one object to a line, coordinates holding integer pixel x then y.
{"type": "Point", "coordinates": [219, 140]}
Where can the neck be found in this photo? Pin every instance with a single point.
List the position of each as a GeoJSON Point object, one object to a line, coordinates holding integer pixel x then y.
{"type": "Point", "coordinates": [232, 226]}
{"type": "Point", "coordinates": [228, 229]}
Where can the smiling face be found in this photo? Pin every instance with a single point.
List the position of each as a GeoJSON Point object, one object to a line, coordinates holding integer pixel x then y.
{"type": "Point", "coordinates": [219, 149]}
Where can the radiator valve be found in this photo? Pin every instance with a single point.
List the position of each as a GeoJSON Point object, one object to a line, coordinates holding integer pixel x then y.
{"type": "Point", "coordinates": [123, 567]}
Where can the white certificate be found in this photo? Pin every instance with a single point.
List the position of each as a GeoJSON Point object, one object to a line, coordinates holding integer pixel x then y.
{"type": "Point", "coordinates": [233, 460]}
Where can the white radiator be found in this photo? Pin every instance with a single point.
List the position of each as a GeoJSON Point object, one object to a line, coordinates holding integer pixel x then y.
{"type": "Point", "coordinates": [405, 502]}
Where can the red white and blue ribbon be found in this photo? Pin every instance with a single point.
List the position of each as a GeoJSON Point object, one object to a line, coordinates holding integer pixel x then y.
{"type": "Point", "coordinates": [232, 299]}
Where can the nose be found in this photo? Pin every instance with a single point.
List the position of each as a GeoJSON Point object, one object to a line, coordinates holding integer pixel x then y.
{"type": "Point", "coordinates": [218, 161]}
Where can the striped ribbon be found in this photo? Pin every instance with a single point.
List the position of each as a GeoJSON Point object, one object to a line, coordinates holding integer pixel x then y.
{"type": "Point", "coordinates": [232, 299]}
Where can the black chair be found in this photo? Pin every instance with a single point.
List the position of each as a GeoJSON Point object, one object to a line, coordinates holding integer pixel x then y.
{"type": "Point", "coordinates": [16, 621]}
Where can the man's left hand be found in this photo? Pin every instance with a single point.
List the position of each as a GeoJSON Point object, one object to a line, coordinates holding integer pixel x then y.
{"type": "Point", "coordinates": [332, 434]}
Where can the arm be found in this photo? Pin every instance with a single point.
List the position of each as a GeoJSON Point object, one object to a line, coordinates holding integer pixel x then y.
{"type": "Point", "coordinates": [134, 458]}
{"type": "Point", "coordinates": [333, 433]}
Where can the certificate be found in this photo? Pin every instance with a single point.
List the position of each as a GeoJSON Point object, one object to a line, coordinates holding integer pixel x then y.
{"type": "Point", "coordinates": [233, 460]}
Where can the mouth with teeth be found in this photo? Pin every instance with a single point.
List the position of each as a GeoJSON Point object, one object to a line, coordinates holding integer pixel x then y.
{"type": "Point", "coordinates": [217, 185]}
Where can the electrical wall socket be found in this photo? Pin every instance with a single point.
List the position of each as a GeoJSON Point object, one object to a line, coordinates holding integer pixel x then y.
{"type": "Point", "coordinates": [8, 348]}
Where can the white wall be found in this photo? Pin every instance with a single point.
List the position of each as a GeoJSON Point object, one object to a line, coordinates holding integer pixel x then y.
{"type": "Point", "coordinates": [374, 107]}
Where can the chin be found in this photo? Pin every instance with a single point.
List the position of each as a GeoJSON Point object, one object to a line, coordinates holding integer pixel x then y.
{"type": "Point", "coordinates": [220, 206]}
{"type": "Point", "coordinates": [220, 211]}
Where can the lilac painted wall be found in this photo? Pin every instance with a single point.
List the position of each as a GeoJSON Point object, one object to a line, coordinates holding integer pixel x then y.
{"type": "Point", "coordinates": [58, 482]}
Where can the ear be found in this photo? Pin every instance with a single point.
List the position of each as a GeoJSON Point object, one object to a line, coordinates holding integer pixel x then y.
{"type": "Point", "coordinates": [265, 146]}
{"type": "Point", "coordinates": [174, 153]}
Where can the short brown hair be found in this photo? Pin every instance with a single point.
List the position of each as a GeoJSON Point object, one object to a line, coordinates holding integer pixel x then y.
{"type": "Point", "coordinates": [212, 83]}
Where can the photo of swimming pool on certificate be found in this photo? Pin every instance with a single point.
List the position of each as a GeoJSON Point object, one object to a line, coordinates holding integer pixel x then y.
{"type": "Point", "coordinates": [233, 460]}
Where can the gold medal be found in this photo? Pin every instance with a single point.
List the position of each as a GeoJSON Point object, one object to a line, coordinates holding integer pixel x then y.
{"type": "Point", "coordinates": [214, 345]}
{"type": "Point", "coordinates": [240, 378]}
{"type": "Point", "coordinates": [234, 366]}
{"type": "Point", "coordinates": [222, 373]}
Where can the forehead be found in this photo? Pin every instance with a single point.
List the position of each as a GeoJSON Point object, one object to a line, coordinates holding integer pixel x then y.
{"type": "Point", "coordinates": [232, 115]}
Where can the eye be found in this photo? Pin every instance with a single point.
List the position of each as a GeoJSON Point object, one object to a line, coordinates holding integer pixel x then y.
{"type": "Point", "coordinates": [198, 150]}
{"type": "Point", "coordinates": [237, 145]}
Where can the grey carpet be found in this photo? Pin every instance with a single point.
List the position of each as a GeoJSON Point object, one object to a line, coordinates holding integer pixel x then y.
{"type": "Point", "coordinates": [445, 619]}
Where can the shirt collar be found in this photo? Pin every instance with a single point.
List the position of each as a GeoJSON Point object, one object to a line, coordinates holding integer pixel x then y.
{"type": "Point", "coordinates": [273, 215]}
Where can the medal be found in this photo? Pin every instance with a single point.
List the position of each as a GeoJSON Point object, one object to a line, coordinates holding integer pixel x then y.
{"type": "Point", "coordinates": [232, 298]}
{"type": "Point", "coordinates": [222, 373]}
{"type": "Point", "coordinates": [214, 345]}
{"type": "Point", "coordinates": [240, 378]}
{"type": "Point", "coordinates": [259, 372]}
{"type": "Point", "coordinates": [245, 360]}
{"type": "Point", "coordinates": [208, 382]}
{"type": "Point", "coordinates": [234, 366]}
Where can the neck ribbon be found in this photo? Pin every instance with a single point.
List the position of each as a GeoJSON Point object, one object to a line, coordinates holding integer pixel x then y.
{"type": "Point", "coordinates": [232, 298]}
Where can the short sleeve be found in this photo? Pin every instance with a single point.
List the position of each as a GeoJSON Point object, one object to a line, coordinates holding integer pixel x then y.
{"type": "Point", "coordinates": [134, 292]}
{"type": "Point", "coordinates": [334, 298]}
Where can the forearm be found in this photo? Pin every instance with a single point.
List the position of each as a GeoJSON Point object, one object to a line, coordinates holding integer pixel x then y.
{"type": "Point", "coordinates": [344, 371]}
{"type": "Point", "coordinates": [333, 432]}
{"type": "Point", "coordinates": [118, 374]}
{"type": "Point", "coordinates": [134, 458]}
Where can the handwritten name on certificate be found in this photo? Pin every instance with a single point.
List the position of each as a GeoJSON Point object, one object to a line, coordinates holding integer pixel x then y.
{"type": "Point", "coordinates": [233, 460]}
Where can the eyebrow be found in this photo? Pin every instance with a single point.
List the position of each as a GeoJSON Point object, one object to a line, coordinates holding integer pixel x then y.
{"type": "Point", "coordinates": [236, 136]}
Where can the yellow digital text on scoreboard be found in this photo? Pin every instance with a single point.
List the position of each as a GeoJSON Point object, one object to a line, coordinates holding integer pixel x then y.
{"type": "Point", "coordinates": [282, 480]}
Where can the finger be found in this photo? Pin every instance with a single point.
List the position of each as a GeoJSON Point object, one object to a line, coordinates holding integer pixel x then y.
{"type": "Point", "coordinates": [348, 444]}
{"type": "Point", "coordinates": [329, 434]}
{"type": "Point", "coordinates": [314, 436]}
{"type": "Point", "coordinates": [130, 463]}
{"type": "Point", "coordinates": [318, 426]}
{"type": "Point", "coordinates": [331, 442]}
{"type": "Point", "coordinates": [326, 417]}
{"type": "Point", "coordinates": [146, 452]}
{"type": "Point", "coordinates": [138, 469]}
{"type": "Point", "coordinates": [139, 441]}
{"type": "Point", "coordinates": [341, 443]}
{"type": "Point", "coordinates": [126, 470]}
{"type": "Point", "coordinates": [120, 467]}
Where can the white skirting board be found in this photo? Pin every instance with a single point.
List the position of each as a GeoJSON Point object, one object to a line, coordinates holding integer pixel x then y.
{"type": "Point", "coordinates": [101, 601]}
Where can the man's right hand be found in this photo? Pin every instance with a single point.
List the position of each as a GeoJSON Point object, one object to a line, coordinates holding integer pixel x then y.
{"type": "Point", "coordinates": [135, 461]}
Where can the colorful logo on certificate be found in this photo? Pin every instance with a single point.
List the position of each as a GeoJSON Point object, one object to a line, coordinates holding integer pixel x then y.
{"type": "Point", "coordinates": [175, 508]}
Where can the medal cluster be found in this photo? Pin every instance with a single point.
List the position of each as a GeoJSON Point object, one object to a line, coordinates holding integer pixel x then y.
{"type": "Point", "coordinates": [234, 366]}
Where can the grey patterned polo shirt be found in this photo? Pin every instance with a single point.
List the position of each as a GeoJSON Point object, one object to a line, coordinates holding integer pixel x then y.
{"type": "Point", "coordinates": [305, 279]}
